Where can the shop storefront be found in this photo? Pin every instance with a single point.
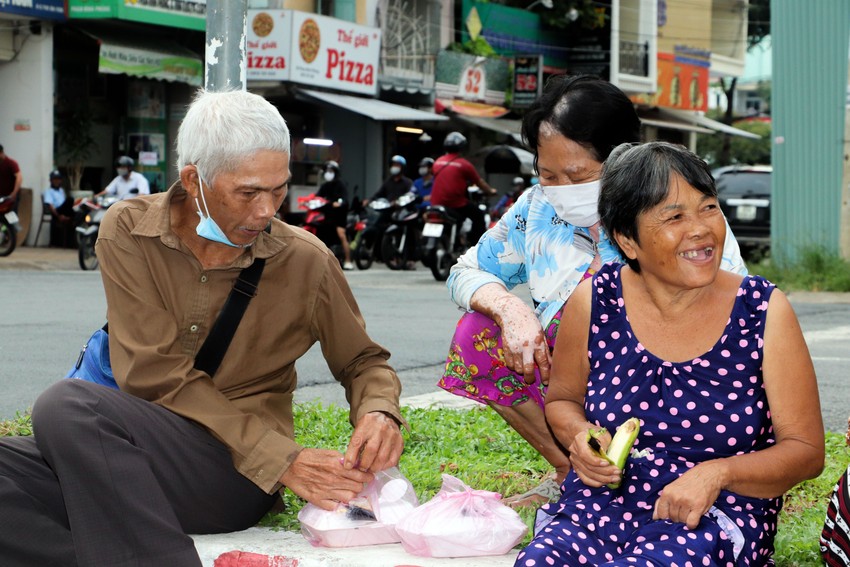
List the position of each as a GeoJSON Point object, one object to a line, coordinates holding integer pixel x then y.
{"type": "Point", "coordinates": [26, 120]}
{"type": "Point", "coordinates": [123, 79]}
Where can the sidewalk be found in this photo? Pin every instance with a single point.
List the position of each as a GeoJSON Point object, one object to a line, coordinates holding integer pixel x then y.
{"type": "Point", "coordinates": [297, 552]}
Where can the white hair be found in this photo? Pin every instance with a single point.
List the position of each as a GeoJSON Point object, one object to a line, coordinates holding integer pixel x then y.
{"type": "Point", "coordinates": [221, 129]}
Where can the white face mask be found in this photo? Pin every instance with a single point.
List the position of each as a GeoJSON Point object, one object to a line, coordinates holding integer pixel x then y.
{"type": "Point", "coordinates": [329, 176]}
{"type": "Point", "coordinates": [395, 170]}
{"type": "Point", "coordinates": [423, 171]}
{"type": "Point", "coordinates": [577, 204]}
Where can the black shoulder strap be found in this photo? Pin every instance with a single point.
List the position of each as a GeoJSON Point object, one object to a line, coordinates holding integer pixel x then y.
{"type": "Point", "coordinates": [244, 289]}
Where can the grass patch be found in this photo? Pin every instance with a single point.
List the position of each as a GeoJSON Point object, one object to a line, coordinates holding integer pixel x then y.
{"type": "Point", "coordinates": [815, 270]}
{"type": "Point", "coordinates": [477, 447]}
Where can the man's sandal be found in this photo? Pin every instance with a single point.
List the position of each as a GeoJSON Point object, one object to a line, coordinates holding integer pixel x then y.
{"type": "Point", "coordinates": [546, 491]}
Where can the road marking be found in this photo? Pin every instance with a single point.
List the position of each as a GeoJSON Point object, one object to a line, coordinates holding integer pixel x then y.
{"type": "Point", "coordinates": [834, 334]}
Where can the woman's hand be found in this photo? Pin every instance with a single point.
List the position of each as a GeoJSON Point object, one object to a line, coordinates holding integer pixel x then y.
{"type": "Point", "coordinates": [592, 469]}
{"type": "Point", "coordinates": [523, 342]}
{"type": "Point", "coordinates": [689, 497]}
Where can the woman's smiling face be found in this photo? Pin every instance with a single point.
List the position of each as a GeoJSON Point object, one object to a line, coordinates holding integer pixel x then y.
{"type": "Point", "coordinates": [561, 161]}
{"type": "Point", "coordinates": [680, 239]}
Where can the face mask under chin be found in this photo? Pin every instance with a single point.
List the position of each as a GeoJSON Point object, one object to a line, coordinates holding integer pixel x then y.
{"type": "Point", "coordinates": [207, 228]}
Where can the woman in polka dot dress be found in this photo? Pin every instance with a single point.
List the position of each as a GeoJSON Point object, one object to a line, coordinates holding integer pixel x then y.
{"type": "Point", "coordinates": [715, 367]}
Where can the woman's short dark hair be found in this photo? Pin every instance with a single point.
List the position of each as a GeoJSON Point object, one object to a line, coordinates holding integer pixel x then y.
{"type": "Point", "coordinates": [586, 109]}
{"type": "Point", "coordinates": [636, 178]}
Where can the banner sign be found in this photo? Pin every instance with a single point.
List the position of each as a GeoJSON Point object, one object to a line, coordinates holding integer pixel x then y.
{"type": "Point", "coordinates": [513, 31]}
{"type": "Point", "coordinates": [37, 9]}
{"type": "Point", "coordinates": [187, 14]}
{"type": "Point", "coordinates": [134, 61]}
{"type": "Point", "coordinates": [528, 80]}
{"type": "Point", "coordinates": [314, 50]}
{"type": "Point", "coordinates": [682, 82]}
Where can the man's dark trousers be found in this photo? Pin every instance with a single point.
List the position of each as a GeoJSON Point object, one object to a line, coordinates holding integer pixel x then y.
{"type": "Point", "coordinates": [110, 479]}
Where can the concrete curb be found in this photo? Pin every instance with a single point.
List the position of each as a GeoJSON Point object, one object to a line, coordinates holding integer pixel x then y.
{"type": "Point", "coordinates": [292, 549]}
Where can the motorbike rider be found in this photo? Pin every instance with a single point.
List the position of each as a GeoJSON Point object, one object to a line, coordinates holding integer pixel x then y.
{"type": "Point", "coordinates": [425, 182]}
{"type": "Point", "coordinates": [504, 203]}
{"type": "Point", "coordinates": [61, 207]}
{"type": "Point", "coordinates": [397, 184]}
{"type": "Point", "coordinates": [335, 191]}
{"type": "Point", "coordinates": [128, 183]}
{"type": "Point", "coordinates": [452, 175]}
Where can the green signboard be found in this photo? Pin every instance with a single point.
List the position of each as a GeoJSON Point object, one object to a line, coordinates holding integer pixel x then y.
{"type": "Point", "coordinates": [187, 14]}
{"type": "Point", "coordinates": [513, 31]}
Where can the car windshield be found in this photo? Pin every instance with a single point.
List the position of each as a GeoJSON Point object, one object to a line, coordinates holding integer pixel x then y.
{"type": "Point", "coordinates": [754, 183]}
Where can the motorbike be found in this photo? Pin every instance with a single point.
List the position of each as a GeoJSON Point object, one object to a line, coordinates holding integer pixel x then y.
{"type": "Point", "coordinates": [400, 243]}
{"type": "Point", "coordinates": [89, 214]}
{"type": "Point", "coordinates": [8, 226]}
{"type": "Point", "coordinates": [319, 222]}
{"type": "Point", "coordinates": [445, 238]}
{"type": "Point", "coordinates": [365, 248]}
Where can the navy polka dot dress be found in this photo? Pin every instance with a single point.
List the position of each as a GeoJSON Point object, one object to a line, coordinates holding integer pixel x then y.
{"type": "Point", "coordinates": [711, 407]}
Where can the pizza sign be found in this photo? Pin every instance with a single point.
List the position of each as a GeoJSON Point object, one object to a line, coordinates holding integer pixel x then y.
{"type": "Point", "coordinates": [269, 47]}
{"type": "Point", "coordinates": [335, 53]}
{"type": "Point", "coordinates": [316, 50]}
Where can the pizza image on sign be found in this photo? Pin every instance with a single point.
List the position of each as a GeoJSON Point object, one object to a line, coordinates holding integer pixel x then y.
{"type": "Point", "coordinates": [309, 40]}
{"type": "Point", "coordinates": [262, 24]}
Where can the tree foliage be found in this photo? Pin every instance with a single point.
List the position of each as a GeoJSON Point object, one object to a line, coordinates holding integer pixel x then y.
{"type": "Point", "coordinates": [741, 150]}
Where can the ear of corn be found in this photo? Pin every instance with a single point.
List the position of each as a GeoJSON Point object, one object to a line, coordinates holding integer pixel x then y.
{"type": "Point", "coordinates": [620, 446]}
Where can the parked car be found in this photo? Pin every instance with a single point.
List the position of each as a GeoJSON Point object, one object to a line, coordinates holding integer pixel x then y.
{"type": "Point", "coordinates": [744, 194]}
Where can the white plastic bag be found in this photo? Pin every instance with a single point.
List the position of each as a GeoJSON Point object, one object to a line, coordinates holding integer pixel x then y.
{"type": "Point", "coordinates": [461, 522]}
{"type": "Point", "coordinates": [369, 519]}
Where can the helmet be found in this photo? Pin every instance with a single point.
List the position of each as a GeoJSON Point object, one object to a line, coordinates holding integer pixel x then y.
{"type": "Point", "coordinates": [454, 142]}
{"type": "Point", "coordinates": [55, 174]}
{"type": "Point", "coordinates": [125, 161]}
{"type": "Point", "coordinates": [399, 159]}
{"type": "Point", "coordinates": [427, 162]}
{"type": "Point", "coordinates": [331, 165]}
{"type": "Point", "coordinates": [518, 181]}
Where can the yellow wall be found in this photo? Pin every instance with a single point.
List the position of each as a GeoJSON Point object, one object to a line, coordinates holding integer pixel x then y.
{"type": "Point", "coordinates": [688, 23]}
{"type": "Point", "coordinates": [300, 5]}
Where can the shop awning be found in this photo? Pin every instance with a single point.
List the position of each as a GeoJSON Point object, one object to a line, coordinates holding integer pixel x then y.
{"type": "Point", "coordinates": [504, 126]}
{"type": "Point", "coordinates": [148, 58]}
{"type": "Point", "coordinates": [705, 122]}
{"type": "Point", "coordinates": [654, 118]}
{"type": "Point", "coordinates": [373, 108]}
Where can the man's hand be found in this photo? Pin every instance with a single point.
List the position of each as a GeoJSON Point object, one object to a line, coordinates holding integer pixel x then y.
{"type": "Point", "coordinates": [317, 476]}
{"type": "Point", "coordinates": [376, 443]}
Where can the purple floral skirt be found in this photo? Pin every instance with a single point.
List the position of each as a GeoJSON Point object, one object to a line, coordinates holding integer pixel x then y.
{"type": "Point", "coordinates": [475, 367]}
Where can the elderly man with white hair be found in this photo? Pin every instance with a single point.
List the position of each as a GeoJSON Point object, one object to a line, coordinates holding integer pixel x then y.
{"type": "Point", "coordinates": [120, 476]}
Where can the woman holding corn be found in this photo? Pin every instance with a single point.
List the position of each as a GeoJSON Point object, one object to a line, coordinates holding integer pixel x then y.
{"type": "Point", "coordinates": [712, 364]}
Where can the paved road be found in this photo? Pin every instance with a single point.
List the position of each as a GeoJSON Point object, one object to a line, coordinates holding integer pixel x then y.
{"type": "Point", "coordinates": [51, 307]}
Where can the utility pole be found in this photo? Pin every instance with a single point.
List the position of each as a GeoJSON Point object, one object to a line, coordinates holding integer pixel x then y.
{"type": "Point", "coordinates": [225, 49]}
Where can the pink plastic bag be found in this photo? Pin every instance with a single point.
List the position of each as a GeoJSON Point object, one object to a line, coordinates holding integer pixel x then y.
{"type": "Point", "coordinates": [369, 519]}
{"type": "Point", "coordinates": [461, 522]}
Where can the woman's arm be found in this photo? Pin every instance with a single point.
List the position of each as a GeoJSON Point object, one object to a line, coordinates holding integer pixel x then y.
{"type": "Point", "coordinates": [798, 455]}
{"type": "Point", "coordinates": [567, 390]}
{"type": "Point", "coordinates": [498, 258]}
{"type": "Point", "coordinates": [792, 393]}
